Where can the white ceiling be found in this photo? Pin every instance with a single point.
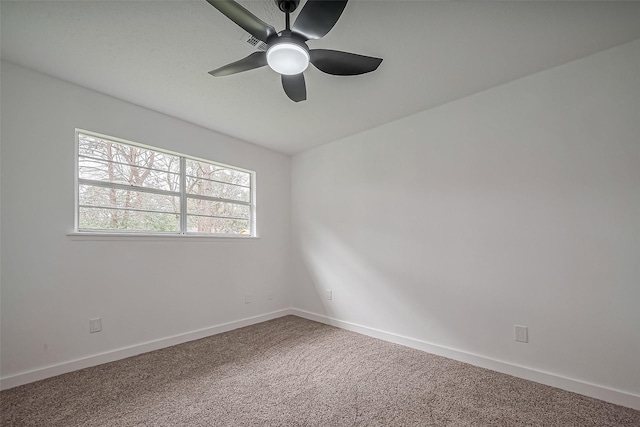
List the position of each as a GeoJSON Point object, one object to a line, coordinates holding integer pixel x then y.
{"type": "Point", "coordinates": [158, 53]}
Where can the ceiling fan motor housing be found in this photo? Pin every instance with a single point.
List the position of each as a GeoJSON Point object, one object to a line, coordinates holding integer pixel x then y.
{"type": "Point", "coordinates": [287, 36]}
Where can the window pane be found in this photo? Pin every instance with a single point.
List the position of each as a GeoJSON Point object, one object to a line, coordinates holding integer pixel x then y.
{"type": "Point", "coordinates": [206, 179]}
{"type": "Point", "coordinates": [104, 160]}
{"type": "Point", "coordinates": [203, 187]}
{"type": "Point", "coordinates": [198, 224]}
{"type": "Point", "coordinates": [217, 209]}
{"type": "Point", "coordinates": [217, 173]}
{"type": "Point", "coordinates": [127, 209]}
{"type": "Point", "coordinates": [99, 170]}
{"type": "Point", "coordinates": [127, 199]}
{"type": "Point", "coordinates": [108, 219]}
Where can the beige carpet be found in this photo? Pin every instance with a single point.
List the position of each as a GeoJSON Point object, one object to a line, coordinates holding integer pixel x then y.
{"type": "Point", "coordinates": [294, 372]}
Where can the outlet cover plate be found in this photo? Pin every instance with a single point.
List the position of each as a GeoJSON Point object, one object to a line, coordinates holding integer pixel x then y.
{"type": "Point", "coordinates": [521, 333]}
{"type": "Point", "coordinates": [95, 325]}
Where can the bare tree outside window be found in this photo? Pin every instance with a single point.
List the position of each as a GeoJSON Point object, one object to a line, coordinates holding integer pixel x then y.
{"type": "Point", "coordinates": [124, 187]}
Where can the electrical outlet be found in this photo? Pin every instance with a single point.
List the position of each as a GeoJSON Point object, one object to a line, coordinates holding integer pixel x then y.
{"type": "Point", "coordinates": [95, 325]}
{"type": "Point", "coordinates": [247, 298]}
{"type": "Point", "coordinates": [521, 333]}
{"type": "Point", "coordinates": [329, 294]}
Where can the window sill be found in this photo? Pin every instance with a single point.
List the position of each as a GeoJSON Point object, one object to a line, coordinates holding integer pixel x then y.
{"type": "Point", "coordinates": [88, 236]}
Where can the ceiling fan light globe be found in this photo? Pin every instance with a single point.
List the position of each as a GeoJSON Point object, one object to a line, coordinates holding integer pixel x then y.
{"type": "Point", "coordinates": [287, 58]}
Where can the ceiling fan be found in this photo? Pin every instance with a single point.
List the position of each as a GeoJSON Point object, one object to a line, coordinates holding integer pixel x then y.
{"type": "Point", "coordinates": [287, 52]}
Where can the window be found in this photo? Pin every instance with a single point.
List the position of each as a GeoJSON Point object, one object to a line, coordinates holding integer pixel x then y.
{"type": "Point", "coordinates": [127, 187]}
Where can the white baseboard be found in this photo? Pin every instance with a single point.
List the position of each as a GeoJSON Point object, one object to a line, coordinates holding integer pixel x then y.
{"type": "Point", "coordinates": [618, 397]}
{"type": "Point", "coordinates": [122, 353]}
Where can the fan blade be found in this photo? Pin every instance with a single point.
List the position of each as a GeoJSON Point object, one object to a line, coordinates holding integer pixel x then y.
{"type": "Point", "coordinates": [245, 19]}
{"type": "Point", "coordinates": [342, 63]}
{"type": "Point", "coordinates": [318, 17]}
{"type": "Point", "coordinates": [255, 60]}
{"type": "Point", "coordinates": [294, 87]}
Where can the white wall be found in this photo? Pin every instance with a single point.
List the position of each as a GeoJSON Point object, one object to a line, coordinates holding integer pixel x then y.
{"type": "Point", "coordinates": [143, 290]}
{"type": "Point", "coordinates": [518, 205]}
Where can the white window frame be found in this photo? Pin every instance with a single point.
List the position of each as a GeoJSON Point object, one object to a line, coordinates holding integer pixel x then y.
{"type": "Point", "coordinates": [182, 194]}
